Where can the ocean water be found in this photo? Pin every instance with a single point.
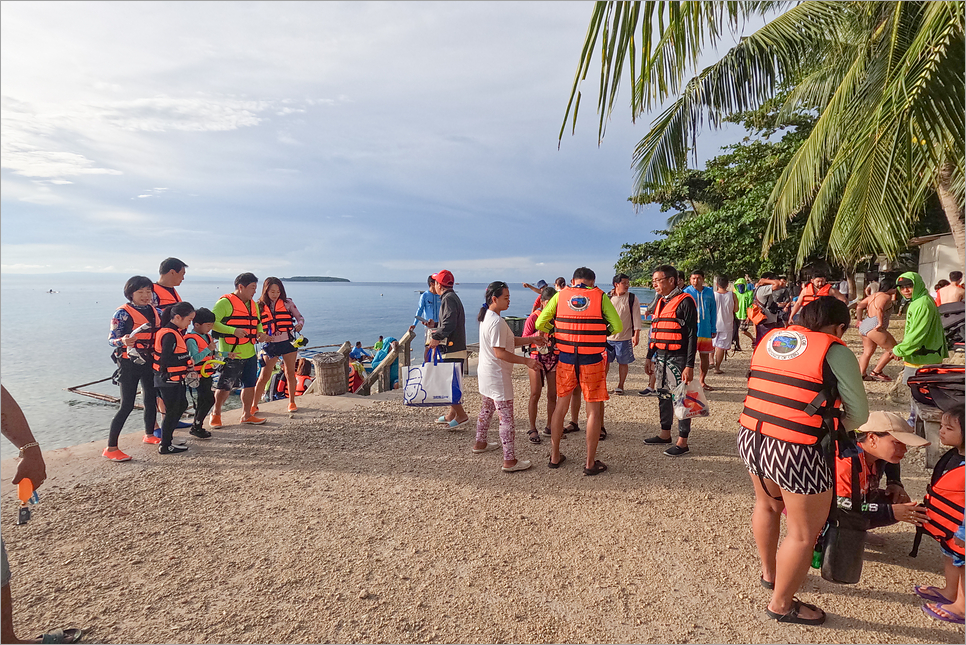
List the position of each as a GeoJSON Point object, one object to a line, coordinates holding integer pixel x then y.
{"type": "Point", "coordinates": [52, 341]}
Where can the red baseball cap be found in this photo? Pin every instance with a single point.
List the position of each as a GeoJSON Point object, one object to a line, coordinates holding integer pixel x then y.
{"type": "Point", "coordinates": [445, 278]}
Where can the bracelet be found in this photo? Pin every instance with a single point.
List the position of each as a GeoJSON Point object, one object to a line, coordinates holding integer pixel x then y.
{"type": "Point", "coordinates": [32, 444]}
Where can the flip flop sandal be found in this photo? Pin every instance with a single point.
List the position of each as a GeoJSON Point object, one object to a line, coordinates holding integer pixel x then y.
{"type": "Point", "coordinates": [953, 618]}
{"type": "Point", "coordinates": [708, 388]}
{"type": "Point", "coordinates": [767, 585]}
{"type": "Point", "coordinates": [879, 376]}
{"type": "Point", "coordinates": [932, 595]}
{"type": "Point", "coordinates": [619, 391]}
{"type": "Point", "coordinates": [603, 433]}
{"type": "Point", "coordinates": [455, 424]}
{"type": "Point", "coordinates": [866, 377]}
{"type": "Point", "coordinates": [598, 468]}
{"type": "Point", "coordinates": [442, 419]}
{"type": "Point", "coordinates": [62, 636]}
{"type": "Point", "coordinates": [547, 431]}
{"type": "Point", "coordinates": [571, 427]}
{"type": "Point", "coordinates": [550, 464]}
{"type": "Point", "coordinates": [534, 436]}
{"type": "Point", "coordinates": [792, 616]}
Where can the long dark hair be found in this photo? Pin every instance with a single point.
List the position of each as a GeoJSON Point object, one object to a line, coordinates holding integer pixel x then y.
{"type": "Point", "coordinates": [177, 309]}
{"type": "Point", "coordinates": [494, 290]}
{"type": "Point", "coordinates": [264, 301]}
{"type": "Point", "coordinates": [825, 311]}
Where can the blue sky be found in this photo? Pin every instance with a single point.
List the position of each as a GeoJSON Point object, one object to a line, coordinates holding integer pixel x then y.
{"type": "Point", "coordinates": [372, 141]}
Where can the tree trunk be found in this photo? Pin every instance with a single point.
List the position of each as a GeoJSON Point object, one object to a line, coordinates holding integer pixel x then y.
{"type": "Point", "coordinates": [953, 210]}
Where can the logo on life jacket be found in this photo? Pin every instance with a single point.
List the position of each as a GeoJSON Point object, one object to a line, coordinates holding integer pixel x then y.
{"type": "Point", "coordinates": [579, 303]}
{"type": "Point", "coordinates": [787, 345]}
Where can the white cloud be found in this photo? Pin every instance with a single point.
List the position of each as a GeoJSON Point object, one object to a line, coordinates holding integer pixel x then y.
{"type": "Point", "coordinates": [30, 161]}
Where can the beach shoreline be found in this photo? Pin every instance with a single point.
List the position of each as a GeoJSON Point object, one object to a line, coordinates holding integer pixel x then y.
{"type": "Point", "coordinates": [360, 520]}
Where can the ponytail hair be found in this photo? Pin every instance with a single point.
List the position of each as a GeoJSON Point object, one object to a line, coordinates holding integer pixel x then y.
{"type": "Point", "coordinates": [177, 309]}
{"type": "Point", "coordinates": [493, 290]}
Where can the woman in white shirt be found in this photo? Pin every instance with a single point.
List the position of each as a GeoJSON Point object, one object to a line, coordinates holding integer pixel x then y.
{"type": "Point", "coordinates": [494, 374]}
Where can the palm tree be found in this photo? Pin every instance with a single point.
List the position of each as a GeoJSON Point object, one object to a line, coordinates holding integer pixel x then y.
{"type": "Point", "coordinates": [885, 78]}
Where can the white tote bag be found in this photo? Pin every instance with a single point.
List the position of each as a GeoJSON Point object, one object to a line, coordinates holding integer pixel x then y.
{"type": "Point", "coordinates": [433, 383]}
{"type": "Point", "coordinates": [690, 401]}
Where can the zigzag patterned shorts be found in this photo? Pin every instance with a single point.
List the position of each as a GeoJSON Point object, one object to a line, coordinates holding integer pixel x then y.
{"type": "Point", "coordinates": [795, 468]}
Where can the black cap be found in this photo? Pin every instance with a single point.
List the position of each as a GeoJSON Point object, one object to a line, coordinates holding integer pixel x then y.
{"type": "Point", "coordinates": [905, 282]}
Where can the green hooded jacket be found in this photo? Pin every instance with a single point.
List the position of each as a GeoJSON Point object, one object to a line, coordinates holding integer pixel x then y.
{"type": "Point", "coordinates": [924, 342]}
{"type": "Point", "coordinates": [744, 299]}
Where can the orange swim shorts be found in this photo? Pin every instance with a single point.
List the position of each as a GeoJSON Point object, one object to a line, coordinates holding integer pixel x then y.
{"type": "Point", "coordinates": [705, 345]}
{"type": "Point", "coordinates": [593, 380]}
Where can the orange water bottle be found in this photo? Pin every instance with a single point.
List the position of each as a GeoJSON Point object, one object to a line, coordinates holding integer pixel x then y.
{"type": "Point", "coordinates": [25, 490]}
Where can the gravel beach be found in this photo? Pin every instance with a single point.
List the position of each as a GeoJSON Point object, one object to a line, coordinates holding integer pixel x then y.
{"type": "Point", "coordinates": [360, 520]}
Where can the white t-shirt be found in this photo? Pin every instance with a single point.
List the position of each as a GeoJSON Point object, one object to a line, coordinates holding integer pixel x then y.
{"type": "Point", "coordinates": [725, 303]}
{"type": "Point", "coordinates": [494, 375]}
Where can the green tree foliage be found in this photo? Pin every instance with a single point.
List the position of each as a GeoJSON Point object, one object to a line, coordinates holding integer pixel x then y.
{"type": "Point", "coordinates": [719, 214]}
{"type": "Point", "coordinates": [885, 78]}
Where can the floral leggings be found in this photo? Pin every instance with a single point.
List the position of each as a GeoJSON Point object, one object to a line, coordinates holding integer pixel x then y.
{"type": "Point", "coordinates": [507, 427]}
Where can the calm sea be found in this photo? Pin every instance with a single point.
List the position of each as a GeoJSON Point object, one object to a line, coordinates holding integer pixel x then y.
{"type": "Point", "coordinates": [52, 341]}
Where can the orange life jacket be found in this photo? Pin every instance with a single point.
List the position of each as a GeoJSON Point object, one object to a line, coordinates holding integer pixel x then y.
{"type": "Point", "coordinates": [142, 340]}
{"type": "Point", "coordinates": [302, 383]}
{"type": "Point", "coordinates": [167, 296]}
{"type": "Point", "coordinates": [944, 504]}
{"type": "Point", "coordinates": [787, 395]}
{"type": "Point", "coordinates": [278, 317]}
{"type": "Point", "coordinates": [667, 328]}
{"type": "Point", "coordinates": [242, 317]}
{"type": "Point", "coordinates": [356, 379]}
{"type": "Point", "coordinates": [204, 341]}
{"type": "Point", "coordinates": [843, 475]}
{"type": "Point", "coordinates": [809, 293]}
{"type": "Point", "coordinates": [182, 360]}
{"type": "Point", "coordinates": [580, 324]}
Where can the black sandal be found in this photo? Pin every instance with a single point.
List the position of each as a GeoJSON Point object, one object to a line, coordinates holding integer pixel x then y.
{"type": "Point", "coordinates": [571, 427]}
{"type": "Point", "coordinates": [598, 468]}
{"type": "Point", "coordinates": [547, 431]}
{"type": "Point", "coordinates": [767, 585]}
{"type": "Point", "coordinates": [603, 433]}
{"type": "Point", "coordinates": [534, 436]}
{"type": "Point", "coordinates": [550, 464]}
{"type": "Point", "coordinates": [791, 616]}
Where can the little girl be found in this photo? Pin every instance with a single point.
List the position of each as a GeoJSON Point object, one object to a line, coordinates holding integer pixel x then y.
{"type": "Point", "coordinates": [947, 604]}
{"type": "Point", "coordinates": [172, 366]}
{"type": "Point", "coordinates": [494, 374]}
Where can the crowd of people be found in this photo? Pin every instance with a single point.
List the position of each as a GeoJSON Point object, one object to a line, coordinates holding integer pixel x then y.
{"type": "Point", "coordinates": [154, 349]}
{"type": "Point", "coordinates": [814, 452]}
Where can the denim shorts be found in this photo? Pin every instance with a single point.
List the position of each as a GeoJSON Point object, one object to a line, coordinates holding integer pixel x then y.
{"type": "Point", "coordinates": [621, 351]}
{"type": "Point", "coordinates": [238, 373]}
{"type": "Point", "coordinates": [274, 350]}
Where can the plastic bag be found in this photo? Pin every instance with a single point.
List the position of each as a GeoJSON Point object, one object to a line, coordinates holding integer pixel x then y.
{"type": "Point", "coordinates": [433, 383]}
{"type": "Point", "coordinates": [689, 401]}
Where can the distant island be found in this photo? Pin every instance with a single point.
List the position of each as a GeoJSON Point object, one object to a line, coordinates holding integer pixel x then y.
{"type": "Point", "coordinates": [313, 278]}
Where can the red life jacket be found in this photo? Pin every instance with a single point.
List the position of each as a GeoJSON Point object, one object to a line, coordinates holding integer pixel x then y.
{"type": "Point", "coordinates": [787, 396]}
{"type": "Point", "coordinates": [580, 324]}
{"type": "Point", "coordinates": [810, 293]}
{"type": "Point", "coordinates": [355, 379]}
{"type": "Point", "coordinates": [182, 360]}
{"type": "Point", "coordinates": [167, 296]}
{"type": "Point", "coordinates": [243, 316]}
{"type": "Point", "coordinates": [204, 341]}
{"type": "Point", "coordinates": [944, 503]}
{"type": "Point", "coordinates": [278, 318]}
{"type": "Point", "coordinates": [142, 340]}
{"type": "Point", "coordinates": [667, 328]}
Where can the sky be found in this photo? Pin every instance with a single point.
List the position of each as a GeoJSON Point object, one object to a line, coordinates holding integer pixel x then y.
{"type": "Point", "coordinates": [370, 141]}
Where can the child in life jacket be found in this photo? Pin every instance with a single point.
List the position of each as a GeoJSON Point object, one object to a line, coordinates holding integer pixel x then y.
{"type": "Point", "coordinates": [201, 348]}
{"type": "Point", "coordinates": [173, 370]}
{"type": "Point", "coordinates": [945, 523]}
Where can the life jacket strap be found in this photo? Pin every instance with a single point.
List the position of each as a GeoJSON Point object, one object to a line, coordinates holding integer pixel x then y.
{"type": "Point", "coordinates": [784, 379]}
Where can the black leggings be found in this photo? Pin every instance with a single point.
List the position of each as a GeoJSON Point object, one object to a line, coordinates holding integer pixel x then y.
{"type": "Point", "coordinates": [175, 403]}
{"type": "Point", "coordinates": [204, 400]}
{"type": "Point", "coordinates": [130, 375]}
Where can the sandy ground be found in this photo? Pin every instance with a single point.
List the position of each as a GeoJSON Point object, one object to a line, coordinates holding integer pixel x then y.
{"type": "Point", "coordinates": [359, 520]}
